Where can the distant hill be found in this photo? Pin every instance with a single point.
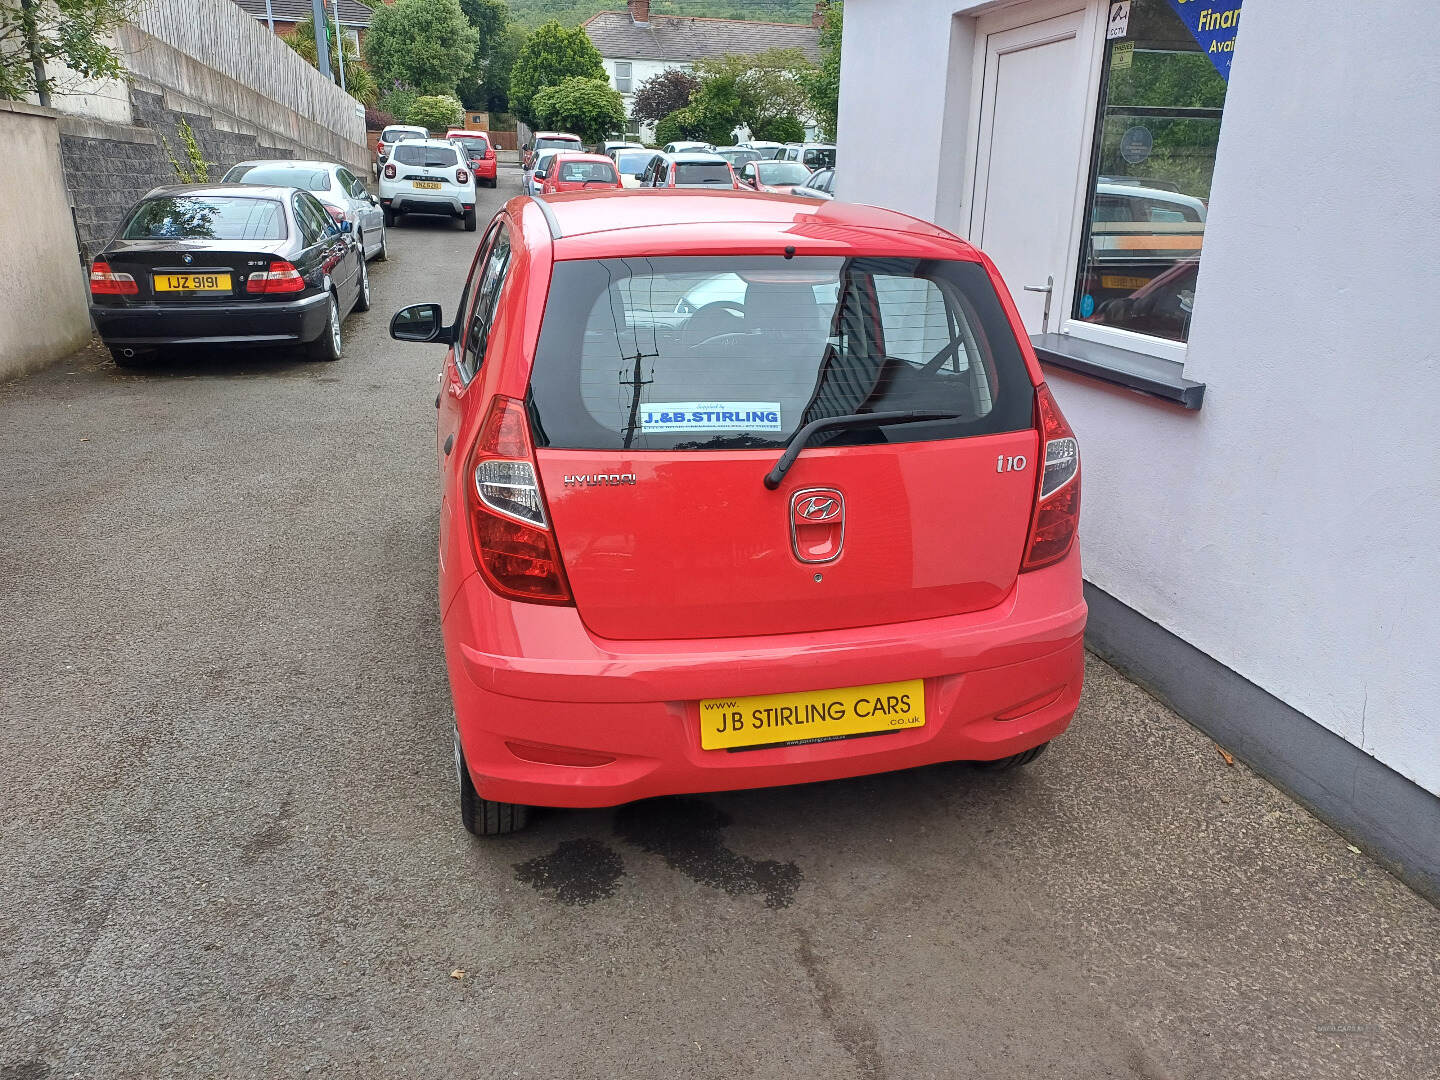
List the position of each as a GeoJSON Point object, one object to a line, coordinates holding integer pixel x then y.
{"type": "Point", "coordinates": [531, 13]}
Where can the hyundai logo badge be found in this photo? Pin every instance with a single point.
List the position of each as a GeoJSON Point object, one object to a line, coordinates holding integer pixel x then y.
{"type": "Point", "coordinates": [817, 507]}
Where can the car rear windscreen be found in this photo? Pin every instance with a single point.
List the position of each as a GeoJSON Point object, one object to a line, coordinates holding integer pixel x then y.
{"type": "Point", "coordinates": [206, 217]}
{"type": "Point", "coordinates": [436, 157]}
{"type": "Point", "coordinates": [782, 172]}
{"type": "Point", "coordinates": [740, 352]}
{"type": "Point", "coordinates": [309, 179]}
{"type": "Point", "coordinates": [391, 135]}
{"type": "Point", "coordinates": [556, 144]}
{"type": "Point", "coordinates": [633, 164]}
{"type": "Point", "coordinates": [597, 172]}
{"type": "Point", "coordinates": [703, 172]}
{"type": "Point", "coordinates": [819, 159]}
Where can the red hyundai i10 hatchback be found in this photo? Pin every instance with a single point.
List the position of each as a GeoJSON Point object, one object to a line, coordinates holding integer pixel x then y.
{"type": "Point", "coordinates": [743, 490]}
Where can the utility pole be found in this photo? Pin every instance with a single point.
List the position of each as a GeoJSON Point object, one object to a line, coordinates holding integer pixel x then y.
{"type": "Point", "coordinates": [322, 38]}
{"type": "Point", "coordinates": [32, 45]}
{"type": "Point", "coordinates": [339, 43]}
{"type": "Point", "coordinates": [270, 16]}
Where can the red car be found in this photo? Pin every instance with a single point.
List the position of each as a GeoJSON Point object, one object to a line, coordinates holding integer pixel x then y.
{"type": "Point", "coordinates": [740, 491]}
{"type": "Point", "coordinates": [579, 172]}
{"type": "Point", "coordinates": [476, 144]}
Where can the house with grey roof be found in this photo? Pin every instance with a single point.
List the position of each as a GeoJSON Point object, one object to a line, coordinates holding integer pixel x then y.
{"type": "Point", "coordinates": [636, 44]}
{"type": "Point", "coordinates": [282, 15]}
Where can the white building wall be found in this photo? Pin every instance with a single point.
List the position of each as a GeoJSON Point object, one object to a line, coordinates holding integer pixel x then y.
{"type": "Point", "coordinates": [640, 71]}
{"type": "Point", "coordinates": [1288, 529]}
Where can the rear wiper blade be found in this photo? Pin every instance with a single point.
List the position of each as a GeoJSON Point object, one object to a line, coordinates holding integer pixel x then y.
{"type": "Point", "coordinates": [848, 420]}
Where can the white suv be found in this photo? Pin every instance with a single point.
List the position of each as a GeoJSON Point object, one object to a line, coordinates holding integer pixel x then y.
{"type": "Point", "coordinates": [428, 176]}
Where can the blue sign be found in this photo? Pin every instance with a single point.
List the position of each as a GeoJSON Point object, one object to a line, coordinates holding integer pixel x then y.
{"type": "Point", "coordinates": [1212, 23]}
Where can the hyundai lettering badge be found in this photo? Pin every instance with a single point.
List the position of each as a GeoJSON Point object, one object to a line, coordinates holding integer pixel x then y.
{"type": "Point", "coordinates": [817, 524]}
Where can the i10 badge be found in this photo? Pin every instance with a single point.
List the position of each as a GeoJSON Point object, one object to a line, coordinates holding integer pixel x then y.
{"type": "Point", "coordinates": [1006, 463]}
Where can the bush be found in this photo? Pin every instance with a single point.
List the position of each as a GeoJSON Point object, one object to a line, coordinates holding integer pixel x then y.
{"type": "Point", "coordinates": [584, 107]}
{"type": "Point", "coordinates": [398, 101]}
{"type": "Point", "coordinates": [779, 129]}
{"type": "Point", "coordinates": [660, 95]}
{"type": "Point", "coordinates": [376, 118]}
{"type": "Point", "coordinates": [435, 113]}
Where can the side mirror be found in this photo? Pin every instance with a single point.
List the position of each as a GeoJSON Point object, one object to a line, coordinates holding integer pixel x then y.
{"type": "Point", "coordinates": [347, 226]}
{"type": "Point", "coordinates": [420, 322]}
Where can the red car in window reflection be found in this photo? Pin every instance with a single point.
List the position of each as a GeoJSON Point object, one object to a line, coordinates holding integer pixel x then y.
{"type": "Point", "coordinates": [819, 524]}
{"type": "Point", "coordinates": [580, 172]}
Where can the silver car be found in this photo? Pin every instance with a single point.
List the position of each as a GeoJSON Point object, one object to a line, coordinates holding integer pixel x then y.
{"type": "Point", "coordinates": [343, 194]}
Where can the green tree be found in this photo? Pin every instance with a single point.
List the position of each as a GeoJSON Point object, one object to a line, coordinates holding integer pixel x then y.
{"type": "Point", "coordinates": [426, 44]}
{"type": "Point", "coordinates": [75, 33]}
{"type": "Point", "coordinates": [685, 124]}
{"type": "Point", "coordinates": [553, 54]}
{"type": "Point", "coordinates": [661, 94]}
{"type": "Point", "coordinates": [822, 85]}
{"type": "Point", "coordinates": [359, 82]}
{"type": "Point", "coordinates": [489, 19]}
{"type": "Point", "coordinates": [435, 113]}
{"type": "Point", "coordinates": [585, 107]}
{"type": "Point", "coordinates": [498, 68]}
{"type": "Point", "coordinates": [760, 92]}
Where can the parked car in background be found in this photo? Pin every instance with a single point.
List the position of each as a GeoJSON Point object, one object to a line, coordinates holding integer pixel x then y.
{"type": "Point", "coordinates": [533, 177]}
{"type": "Point", "coordinates": [764, 149]}
{"type": "Point", "coordinates": [779, 177]}
{"type": "Point", "coordinates": [631, 165]}
{"type": "Point", "coordinates": [579, 172]}
{"type": "Point", "coordinates": [484, 164]}
{"type": "Point", "coordinates": [682, 147]}
{"type": "Point", "coordinates": [738, 156]}
{"type": "Point", "coordinates": [609, 146]}
{"type": "Point", "coordinates": [840, 555]}
{"type": "Point", "coordinates": [429, 176]}
{"type": "Point", "coordinates": [549, 140]}
{"type": "Point", "coordinates": [223, 265]}
{"type": "Point", "coordinates": [691, 168]}
{"type": "Point", "coordinates": [343, 194]}
{"type": "Point", "coordinates": [390, 136]}
{"type": "Point", "coordinates": [819, 186]}
{"type": "Point", "coordinates": [811, 155]}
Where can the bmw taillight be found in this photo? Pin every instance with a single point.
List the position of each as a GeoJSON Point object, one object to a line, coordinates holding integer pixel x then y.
{"type": "Point", "coordinates": [282, 277]}
{"type": "Point", "coordinates": [1057, 496]}
{"type": "Point", "coordinates": [390, 171]}
{"type": "Point", "coordinates": [105, 282]}
{"type": "Point", "coordinates": [461, 176]}
{"type": "Point", "coordinates": [514, 543]}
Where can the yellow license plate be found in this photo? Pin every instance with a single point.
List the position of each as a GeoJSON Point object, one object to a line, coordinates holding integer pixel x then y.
{"type": "Point", "coordinates": [1119, 281]}
{"type": "Point", "coordinates": [726, 723]}
{"type": "Point", "coordinates": [433, 185]}
{"type": "Point", "coordinates": [192, 282]}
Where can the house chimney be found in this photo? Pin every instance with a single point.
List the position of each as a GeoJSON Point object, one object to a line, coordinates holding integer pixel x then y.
{"type": "Point", "coordinates": [817, 18]}
{"type": "Point", "coordinates": [640, 12]}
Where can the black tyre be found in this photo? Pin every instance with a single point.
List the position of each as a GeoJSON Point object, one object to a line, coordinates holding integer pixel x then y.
{"type": "Point", "coordinates": [327, 346]}
{"type": "Point", "coordinates": [390, 217]}
{"type": "Point", "coordinates": [384, 252]}
{"type": "Point", "coordinates": [469, 220]}
{"type": "Point", "coordinates": [362, 299]}
{"type": "Point", "coordinates": [1014, 761]}
{"type": "Point", "coordinates": [481, 816]}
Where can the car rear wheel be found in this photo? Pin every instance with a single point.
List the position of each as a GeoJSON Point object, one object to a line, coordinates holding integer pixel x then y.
{"type": "Point", "coordinates": [1014, 761]}
{"type": "Point", "coordinates": [469, 220]}
{"type": "Point", "coordinates": [481, 816]}
{"type": "Point", "coordinates": [384, 252]}
{"type": "Point", "coordinates": [327, 345]}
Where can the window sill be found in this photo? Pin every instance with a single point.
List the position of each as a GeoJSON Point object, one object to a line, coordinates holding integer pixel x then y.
{"type": "Point", "coordinates": [1135, 371]}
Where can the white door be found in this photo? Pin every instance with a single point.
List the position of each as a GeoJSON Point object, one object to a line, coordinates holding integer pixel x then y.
{"type": "Point", "coordinates": [1029, 151]}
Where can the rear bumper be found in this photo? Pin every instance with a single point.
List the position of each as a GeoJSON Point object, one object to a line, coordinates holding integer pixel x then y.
{"type": "Point", "coordinates": [254, 322]}
{"type": "Point", "coordinates": [486, 168]}
{"type": "Point", "coordinates": [434, 202]}
{"type": "Point", "coordinates": [637, 703]}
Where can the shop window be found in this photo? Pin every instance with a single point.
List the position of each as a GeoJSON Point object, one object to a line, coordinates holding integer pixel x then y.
{"type": "Point", "coordinates": [1162, 93]}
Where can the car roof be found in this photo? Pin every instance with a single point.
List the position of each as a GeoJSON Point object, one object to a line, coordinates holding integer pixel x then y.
{"type": "Point", "coordinates": [685, 221]}
{"type": "Point", "coordinates": [556, 135]}
{"type": "Point", "coordinates": [570, 155]}
{"type": "Point", "coordinates": [405, 127]}
{"type": "Point", "coordinates": [244, 191]}
{"type": "Point", "coordinates": [695, 157]}
{"type": "Point", "coordinates": [430, 142]}
{"type": "Point", "coordinates": [288, 162]}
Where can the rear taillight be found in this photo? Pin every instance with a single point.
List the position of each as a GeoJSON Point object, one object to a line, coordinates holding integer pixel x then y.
{"type": "Point", "coordinates": [105, 282]}
{"type": "Point", "coordinates": [390, 171]}
{"type": "Point", "coordinates": [1057, 497]}
{"type": "Point", "coordinates": [282, 277]}
{"type": "Point", "coordinates": [336, 213]}
{"type": "Point", "coordinates": [461, 176]}
{"type": "Point", "coordinates": [514, 544]}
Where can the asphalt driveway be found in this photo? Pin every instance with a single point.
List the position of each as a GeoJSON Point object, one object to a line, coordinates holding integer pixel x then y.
{"type": "Point", "coordinates": [229, 844]}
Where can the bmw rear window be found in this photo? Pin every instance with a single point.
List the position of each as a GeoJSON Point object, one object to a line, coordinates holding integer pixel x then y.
{"type": "Point", "coordinates": [435, 157]}
{"type": "Point", "coordinates": [206, 217]}
{"type": "Point", "coordinates": [303, 177]}
{"type": "Point", "coordinates": [740, 352]}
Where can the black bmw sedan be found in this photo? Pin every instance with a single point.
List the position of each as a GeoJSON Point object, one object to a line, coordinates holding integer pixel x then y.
{"type": "Point", "coordinates": [225, 265]}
